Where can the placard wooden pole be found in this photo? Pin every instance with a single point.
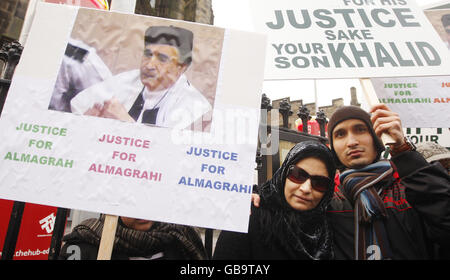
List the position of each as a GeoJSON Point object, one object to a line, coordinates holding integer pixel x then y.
{"type": "Point", "coordinates": [58, 233]}
{"type": "Point", "coordinates": [372, 100]}
{"type": "Point", "coordinates": [108, 236]}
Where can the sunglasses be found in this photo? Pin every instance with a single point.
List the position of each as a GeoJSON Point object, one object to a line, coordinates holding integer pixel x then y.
{"type": "Point", "coordinates": [299, 176]}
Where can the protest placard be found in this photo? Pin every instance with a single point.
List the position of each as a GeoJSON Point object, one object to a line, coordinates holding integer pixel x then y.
{"type": "Point", "coordinates": [420, 101]}
{"type": "Point", "coordinates": [192, 166]}
{"type": "Point", "coordinates": [329, 39]}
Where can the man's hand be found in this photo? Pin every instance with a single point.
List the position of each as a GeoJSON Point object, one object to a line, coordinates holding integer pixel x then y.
{"type": "Point", "coordinates": [256, 199]}
{"type": "Point", "coordinates": [113, 109]}
{"type": "Point", "coordinates": [386, 121]}
{"type": "Point", "coordinates": [95, 111]}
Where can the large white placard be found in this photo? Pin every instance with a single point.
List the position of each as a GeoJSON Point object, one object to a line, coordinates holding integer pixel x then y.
{"type": "Point", "coordinates": [327, 39]}
{"type": "Point", "coordinates": [202, 176]}
{"type": "Point", "coordinates": [420, 101]}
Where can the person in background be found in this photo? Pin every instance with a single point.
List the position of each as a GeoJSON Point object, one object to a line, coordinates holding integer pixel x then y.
{"type": "Point", "coordinates": [433, 153]}
{"type": "Point", "coordinates": [135, 239]}
{"type": "Point", "coordinates": [291, 222]}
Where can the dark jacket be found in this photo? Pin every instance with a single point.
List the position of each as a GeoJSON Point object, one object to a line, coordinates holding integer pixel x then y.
{"type": "Point", "coordinates": [161, 241]}
{"type": "Point", "coordinates": [418, 206]}
{"type": "Point", "coordinates": [77, 248]}
{"type": "Point", "coordinates": [248, 246]}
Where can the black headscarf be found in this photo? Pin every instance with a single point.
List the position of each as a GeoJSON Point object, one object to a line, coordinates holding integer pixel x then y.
{"type": "Point", "coordinates": [301, 233]}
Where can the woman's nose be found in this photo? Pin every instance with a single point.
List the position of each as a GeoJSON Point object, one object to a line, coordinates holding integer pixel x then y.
{"type": "Point", "coordinates": [306, 186]}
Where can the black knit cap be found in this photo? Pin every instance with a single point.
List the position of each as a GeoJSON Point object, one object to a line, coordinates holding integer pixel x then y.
{"type": "Point", "coordinates": [348, 113]}
{"type": "Point", "coordinates": [173, 36]}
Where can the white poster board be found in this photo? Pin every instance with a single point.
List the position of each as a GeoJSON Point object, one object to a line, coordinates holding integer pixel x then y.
{"type": "Point", "coordinates": [329, 39]}
{"type": "Point", "coordinates": [200, 176]}
{"type": "Point", "coordinates": [420, 101]}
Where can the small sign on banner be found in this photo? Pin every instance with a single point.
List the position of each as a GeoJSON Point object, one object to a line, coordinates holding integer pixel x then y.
{"type": "Point", "coordinates": [420, 101]}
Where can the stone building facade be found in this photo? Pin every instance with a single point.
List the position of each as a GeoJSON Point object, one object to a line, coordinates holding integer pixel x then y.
{"type": "Point", "coordinates": [12, 14]}
{"type": "Point", "coordinates": [189, 10]}
{"type": "Point", "coordinates": [328, 110]}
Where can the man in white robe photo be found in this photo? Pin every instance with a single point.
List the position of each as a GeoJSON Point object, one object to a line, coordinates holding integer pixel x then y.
{"type": "Point", "coordinates": [158, 93]}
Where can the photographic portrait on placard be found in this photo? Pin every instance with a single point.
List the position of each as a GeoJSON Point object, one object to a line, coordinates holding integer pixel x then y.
{"type": "Point", "coordinates": [440, 19]}
{"type": "Point", "coordinates": [140, 69]}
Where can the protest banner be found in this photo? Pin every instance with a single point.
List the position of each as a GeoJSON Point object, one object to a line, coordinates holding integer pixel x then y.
{"type": "Point", "coordinates": [420, 101]}
{"type": "Point", "coordinates": [197, 174]}
{"type": "Point", "coordinates": [329, 39]}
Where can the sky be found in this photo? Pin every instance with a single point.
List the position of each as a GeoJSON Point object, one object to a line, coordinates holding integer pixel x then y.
{"type": "Point", "coordinates": [236, 14]}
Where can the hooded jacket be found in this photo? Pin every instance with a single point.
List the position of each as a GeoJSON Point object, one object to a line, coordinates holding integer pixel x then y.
{"type": "Point", "coordinates": [276, 230]}
{"type": "Point", "coordinates": [161, 241]}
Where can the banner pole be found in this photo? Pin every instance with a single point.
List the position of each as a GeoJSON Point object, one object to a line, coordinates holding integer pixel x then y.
{"type": "Point", "coordinates": [58, 233]}
{"type": "Point", "coordinates": [372, 100]}
{"type": "Point", "coordinates": [9, 245]}
{"type": "Point", "coordinates": [108, 236]}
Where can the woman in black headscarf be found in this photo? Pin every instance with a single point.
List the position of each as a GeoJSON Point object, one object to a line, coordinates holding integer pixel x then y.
{"type": "Point", "coordinates": [290, 222]}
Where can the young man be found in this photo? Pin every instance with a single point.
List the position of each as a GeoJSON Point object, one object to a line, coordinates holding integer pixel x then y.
{"type": "Point", "coordinates": [158, 92]}
{"type": "Point", "coordinates": [384, 209]}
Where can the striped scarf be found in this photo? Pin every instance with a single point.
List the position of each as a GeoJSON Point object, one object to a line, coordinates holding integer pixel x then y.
{"type": "Point", "coordinates": [358, 186]}
{"type": "Point", "coordinates": [144, 243]}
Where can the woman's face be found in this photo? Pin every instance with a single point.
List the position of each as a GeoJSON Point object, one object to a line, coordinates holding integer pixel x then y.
{"type": "Point", "coordinates": [301, 196]}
